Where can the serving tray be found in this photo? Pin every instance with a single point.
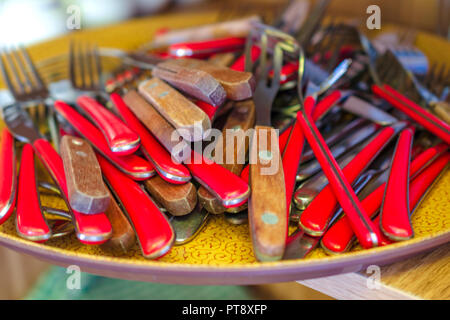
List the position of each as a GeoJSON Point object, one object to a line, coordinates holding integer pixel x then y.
{"type": "Point", "coordinates": [221, 253]}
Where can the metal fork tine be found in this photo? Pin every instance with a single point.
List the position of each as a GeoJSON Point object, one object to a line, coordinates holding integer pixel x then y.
{"type": "Point", "coordinates": [15, 74]}
{"type": "Point", "coordinates": [81, 63]}
{"type": "Point", "coordinates": [5, 75]}
{"type": "Point", "coordinates": [22, 68]}
{"type": "Point", "coordinates": [31, 67]}
{"type": "Point", "coordinates": [72, 62]}
{"type": "Point", "coordinates": [97, 66]}
{"type": "Point", "coordinates": [88, 57]}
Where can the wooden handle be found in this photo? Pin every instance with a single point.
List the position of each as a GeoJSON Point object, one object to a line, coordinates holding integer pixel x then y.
{"type": "Point", "coordinates": [178, 200]}
{"type": "Point", "coordinates": [123, 236]}
{"type": "Point", "coordinates": [85, 187]}
{"type": "Point", "coordinates": [241, 118]}
{"type": "Point", "coordinates": [194, 82]}
{"type": "Point", "coordinates": [156, 124]}
{"type": "Point", "coordinates": [267, 203]}
{"type": "Point", "coordinates": [394, 212]}
{"type": "Point", "coordinates": [121, 139]}
{"type": "Point", "coordinates": [30, 222]}
{"type": "Point", "coordinates": [152, 149]}
{"type": "Point", "coordinates": [8, 173]}
{"type": "Point", "coordinates": [238, 85]}
{"type": "Point", "coordinates": [91, 229]}
{"type": "Point", "coordinates": [184, 115]}
{"type": "Point", "coordinates": [222, 59]}
{"type": "Point", "coordinates": [132, 165]}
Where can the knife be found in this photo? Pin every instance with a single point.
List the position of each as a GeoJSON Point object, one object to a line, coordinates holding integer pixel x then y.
{"type": "Point", "coordinates": [154, 233]}
{"type": "Point", "coordinates": [160, 158]}
{"type": "Point", "coordinates": [121, 139]}
{"type": "Point", "coordinates": [30, 222]}
{"type": "Point", "coordinates": [123, 237]}
{"type": "Point", "coordinates": [205, 48]}
{"type": "Point", "coordinates": [238, 85]}
{"type": "Point", "coordinates": [414, 111]}
{"type": "Point", "coordinates": [394, 213]}
{"type": "Point", "coordinates": [132, 165]}
{"type": "Point", "coordinates": [190, 122]}
{"type": "Point", "coordinates": [339, 237]}
{"type": "Point", "coordinates": [8, 188]}
{"type": "Point", "coordinates": [86, 191]}
{"type": "Point", "coordinates": [241, 118]}
{"type": "Point", "coordinates": [178, 199]}
{"type": "Point", "coordinates": [316, 217]}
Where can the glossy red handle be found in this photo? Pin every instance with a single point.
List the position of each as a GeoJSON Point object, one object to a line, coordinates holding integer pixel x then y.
{"type": "Point", "coordinates": [325, 104]}
{"type": "Point", "coordinates": [204, 49]}
{"type": "Point", "coordinates": [8, 187]}
{"type": "Point", "coordinates": [316, 217]}
{"type": "Point", "coordinates": [224, 184]}
{"type": "Point", "coordinates": [132, 165]}
{"type": "Point", "coordinates": [92, 228]}
{"type": "Point", "coordinates": [121, 139]}
{"type": "Point", "coordinates": [414, 111]}
{"type": "Point", "coordinates": [395, 208]}
{"type": "Point", "coordinates": [288, 72]}
{"type": "Point", "coordinates": [153, 150]}
{"type": "Point", "coordinates": [361, 223]}
{"type": "Point", "coordinates": [339, 237]}
{"type": "Point", "coordinates": [291, 160]}
{"type": "Point", "coordinates": [30, 222]}
{"type": "Point", "coordinates": [153, 231]}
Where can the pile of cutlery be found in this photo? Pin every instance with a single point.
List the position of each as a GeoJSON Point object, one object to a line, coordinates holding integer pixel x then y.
{"type": "Point", "coordinates": [322, 151]}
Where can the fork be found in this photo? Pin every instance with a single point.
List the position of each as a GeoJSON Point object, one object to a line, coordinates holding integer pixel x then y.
{"type": "Point", "coordinates": [91, 229]}
{"type": "Point", "coordinates": [85, 74]}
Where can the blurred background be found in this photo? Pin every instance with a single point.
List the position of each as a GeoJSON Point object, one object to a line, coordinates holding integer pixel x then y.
{"type": "Point", "coordinates": [48, 17]}
{"type": "Point", "coordinates": [25, 277]}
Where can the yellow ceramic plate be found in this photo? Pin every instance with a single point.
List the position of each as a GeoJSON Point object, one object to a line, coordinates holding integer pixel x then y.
{"type": "Point", "coordinates": [221, 253]}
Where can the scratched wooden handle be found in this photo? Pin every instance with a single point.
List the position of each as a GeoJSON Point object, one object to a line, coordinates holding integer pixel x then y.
{"type": "Point", "coordinates": [156, 124]}
{"type": "Point", "coordinates": [233, 142]}
{"type": "Point", "coordinates": [238, 85]}
{"type": "Point", "coordinates": [178, 200]}
{"type": "Point", "coordinates": [123, 236]}
{"type": "Point", "coordinates": [86, 191]}
{"type": "Point", "coordinates": [267, 203]}
{"type": "Point", "coordinates": [185, 116]}
{"type": "Point", "coordinates": [194, 82]}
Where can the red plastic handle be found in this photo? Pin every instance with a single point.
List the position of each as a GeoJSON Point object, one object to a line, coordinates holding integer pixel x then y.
{"type": "Point", "coordinates": [204, 49]}
{"type": "Point", "coordinates": [291, 160]}
{"type": "Point", "coordinates": [90, 229]}
{"type": "Point", "coordinates": [316, 217]}
{"type": "Point", "coordinates": [154, 232]}
{"type": "Point", "coordinates": [8, 173]}
{"type": "Point", "coordinates": [30, 222]}
{"type": "Point", "coordinates": [361, 223]}
{"type": "Point", "coordinates": [121, 139]}
{"type": "Point", "coordinates": [395, 208]}
{"type": "Point", "coordinates": [339, 237]}
{"type": "Point", "coordinates": [153, 150]}
{"type": "Point", "coordinates": [132, 165]}
{"type": "Point", "coordinates": [224, 184]}
{"type": "Point", "coordinates": [414, 111]}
